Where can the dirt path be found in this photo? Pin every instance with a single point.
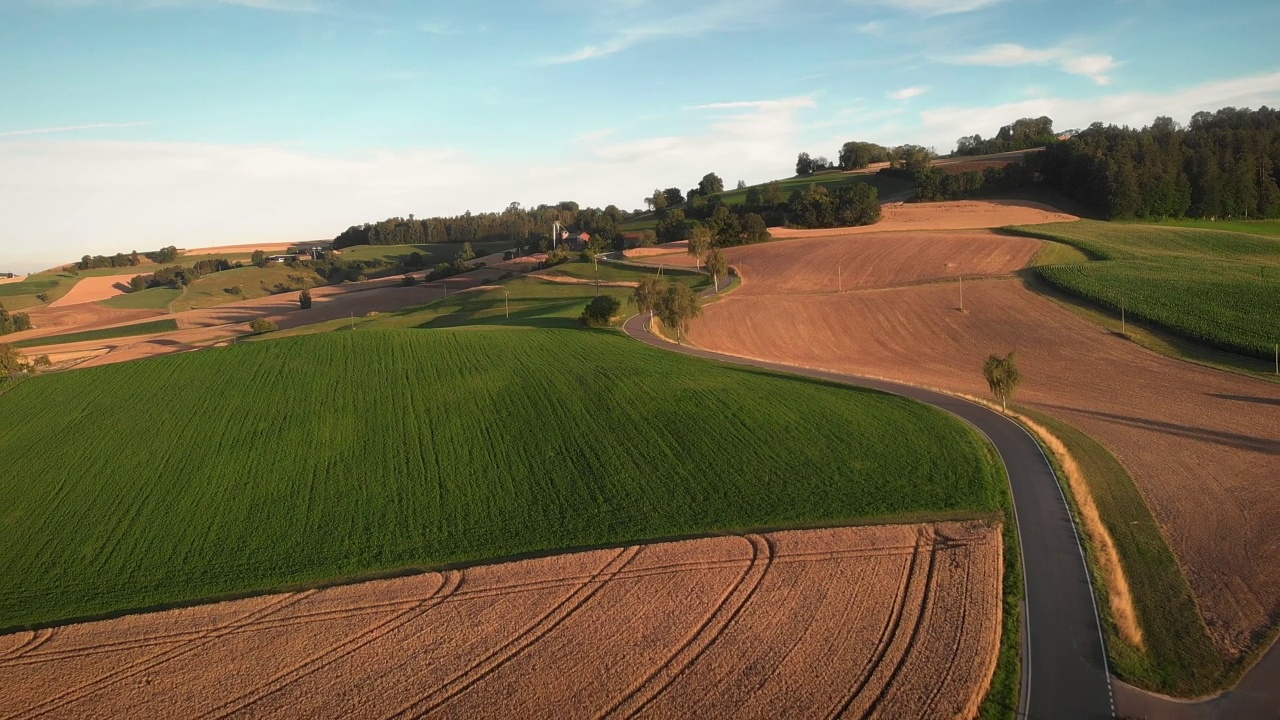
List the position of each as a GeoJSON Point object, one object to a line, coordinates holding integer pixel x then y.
{"type": "Point", "coordinates": [1202, 444]}
{"type": "Point", "coordinates": [902, 619]}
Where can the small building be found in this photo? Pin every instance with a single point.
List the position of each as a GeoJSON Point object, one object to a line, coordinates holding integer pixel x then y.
{"type": "Point", "coordinates": [578, 241]}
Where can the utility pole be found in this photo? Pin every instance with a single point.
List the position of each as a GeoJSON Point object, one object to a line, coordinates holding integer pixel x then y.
{"type": "Point", "coordinates": [595, 260]}
{"type": "Point", "coordinates": [506, 301]}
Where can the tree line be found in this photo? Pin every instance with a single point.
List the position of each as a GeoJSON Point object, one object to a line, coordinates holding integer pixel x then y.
{"type": "Point", "coordinates": [517, 225]}
{"type": "Point", "coordinates": [855, 155]}
{"type": "Point", "coordinates": [1224, 164]}
{"type": "Point", "coordinates": [1022, 134]}
{"type": "Point", "coordinates": [12, 323]}
{"type": "Point", "coordinates": [162, 256]}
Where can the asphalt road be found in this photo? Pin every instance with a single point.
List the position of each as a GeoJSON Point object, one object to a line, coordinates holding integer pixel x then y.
{"type": "Point", "coordinates": [1064, 666]}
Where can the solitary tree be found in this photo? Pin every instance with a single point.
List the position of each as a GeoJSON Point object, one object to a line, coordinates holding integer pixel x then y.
{"type": "Point", "coordinates": [699, 243]}
{"type": "Point", "coordinates": [711, 184]}
{"type": "Point", "coordinates": [718, 266]}
{"type": "Point", "coordinates": [1002, 377]}
{"type": "Point", "coordinates": [600, 311]}
{"type": "Point", "coordinates": [466, 254]}
{"type": "Point", "coordinates": [304, 300]}
{"type": "Point", "coordinates": [677, 307]}
{"type": "Point", "coordinates": [258, 258]}
{"type": "Point", "coordinates": [647, 294]}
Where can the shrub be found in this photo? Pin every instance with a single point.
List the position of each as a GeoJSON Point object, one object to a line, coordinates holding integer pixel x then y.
{"type": "Point", "coordinates": [262, 325]}
{"type": "Point", "coordinates": [362, 278]}
{"type": "Point", "coordinates": [43, 297]}
{"type": "Point", "coordinates": [408, 281]}
{"type": "Point", "coordinates": [304, 299]}
{"type": "Point", "coordinates": [600, 311]}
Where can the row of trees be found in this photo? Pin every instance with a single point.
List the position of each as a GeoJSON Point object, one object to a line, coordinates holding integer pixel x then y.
{"type": "Point", "coordinates": [162, 256]}
{"type": "Point", "coordinates": [12, 323]}
{"type": "Point", "coordinates": [176, 277]}
{"type": "Point", "coordinates": [855, 155]}
{"type": "Point", "coordinates": [1224, 164]}
{"type": "Point", "coordinates": [709, 185]}
{"type": "Point", "coordinates": [1021, 135]}
{"type": "Point", "coordinates": [515, 225]}
{"type": "Point", "coordinates": [675, 304]}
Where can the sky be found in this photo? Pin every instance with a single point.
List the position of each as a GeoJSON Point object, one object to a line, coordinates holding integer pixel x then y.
{"type": "Point", "coordinates": [135, 124]}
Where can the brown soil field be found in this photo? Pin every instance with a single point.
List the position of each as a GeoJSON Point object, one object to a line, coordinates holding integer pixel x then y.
{"type": "Point", "coordinates": [92, 289]}
{"type": "Point", "coordinates": [1202, 444]}
{"type": "Point", "coordinates": [85, 316]}
{"type": "Point", "coordinates": [14, 279]}
{"type": "Point", "coordinates": [248, 247]}
{"type": "Point", "coordinates": [681, 246]}
{"type": "Point", "coordinates": [878, 260]}
{"type": "Point", "coordinates": [892, 621]}
{"type": "Point", "coordinates": [954, 215]}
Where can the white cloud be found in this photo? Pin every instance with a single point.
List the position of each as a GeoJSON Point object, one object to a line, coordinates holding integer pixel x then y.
{"type": "Point", "coordinates": [907, 93]}
{"type": "Point", "coordinates": [1096, 67]}
{"type": "Point", "coordinates": [439, 27]}
{"type": "Point", "coordinates": [875, 27]}
{"type": "Point", "coordinates": [941, 126]}
{"type": "Point", "coordinates": [69, 128]}
{"type": "Point", "coordinates": [62, 199]}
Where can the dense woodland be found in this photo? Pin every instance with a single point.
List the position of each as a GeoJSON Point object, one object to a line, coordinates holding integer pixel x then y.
{"type": "Point", "coordinates": [1221, 165]}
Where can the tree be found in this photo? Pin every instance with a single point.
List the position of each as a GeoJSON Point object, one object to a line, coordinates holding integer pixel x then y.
{"type": "Point", "coordinates": [804, 165]}
{"type": "Point", "coordinates": [600, 311]}
{"type": "Point", "coordinates": [466, 254]}
{"type": "Point", "coordinates": [718, 266]}
{"type": "Point", "coordinates": [742, 184]}
{"type": "Point", "coordinates": [21, 321]}
{"type": "Point", "coordinates": [699, 243]}
{"type": "Point", "coordinates": [647, 293]}
{"type": "Point", "coordinates": [677, 307]}
{"type": "Point", "coordinates": [258, 258]}
{"type": "Point", "coordinates": [673, 227]}
{"type": "Point", "coordinates": [711, 184]}
{"type": "Point", "coordinates": [855, 155]}
{"type": "Point", "coordinates": [772, 195]}
{"type": "Point", "coordinates": [262, 325]}
{"type": "Point", "coordinates": [647, 238]}
{"type": "Point", "coordinates": [657, 201]}
{"type": "Point", "coordinates": [674, 196]}
{"type": "Point", "coordinates": [10, 360]}
{"type": "Point", "coordinates": [1002, 377]}
{"type": "Point", "coordinates": [304, 299]}
{"type": "Point", "coordinates": [755, 229]}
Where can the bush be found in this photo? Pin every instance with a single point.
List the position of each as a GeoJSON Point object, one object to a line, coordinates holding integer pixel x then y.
{"type": "Point", "coordinates": [408, 281]}
{"type": "Point", "coordinates": [304, 300]}
{"type": "Point", "coordinates": [262, 325]}
{"type": "Point", "coordinates": [600, 311]}
{"type": "Point", "coordinates": [43, 297]}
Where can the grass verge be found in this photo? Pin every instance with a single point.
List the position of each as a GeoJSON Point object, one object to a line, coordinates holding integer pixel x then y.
{"type": "Point", "coordinates": [146, 328]}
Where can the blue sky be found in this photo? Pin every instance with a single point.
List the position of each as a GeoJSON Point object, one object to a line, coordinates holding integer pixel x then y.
{"type": "Point", "coordinates": [140, 123]}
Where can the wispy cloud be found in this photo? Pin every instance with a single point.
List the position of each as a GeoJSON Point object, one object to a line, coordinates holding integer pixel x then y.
{"type": "Point", "coordinates": [1096, 67]}
{"type": "Point", "coordinates": [440, 27]}
{"type": "Point", "coordinates": [634, 29]}
{"type": "Point", "coordinates": [68, 128]}
{"type": "Point", "coordinates": [907, 93]}
{"type": "Point", "coordinates": [299, 6]}
{"type": "Point", "coordinates": [933, 7]}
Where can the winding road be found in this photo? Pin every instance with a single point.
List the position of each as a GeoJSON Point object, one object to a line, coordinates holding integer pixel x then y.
{"type": "Point", "coordinates": [1064, 664]}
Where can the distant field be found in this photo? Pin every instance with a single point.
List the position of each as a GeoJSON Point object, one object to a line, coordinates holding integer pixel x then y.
{"type": "Point", "coordinates": [22, 295]}
{"type": "Point", "coordinates": [243, 283]}
{"type": "Point", "coordinates": [150, 299]}
{"type": "Point", "coordinates": [228, 471]}
{"type": "Point", "coordinates": [622, 273]}
{"type": "Point", "coordinates": [432, 253]}
{"type": "Point", "coordinates": [146, 328]}
{"type": "Point", "coordinates": [1269, 228]}
{"type": "Point", "coordinates": [1221, 289]}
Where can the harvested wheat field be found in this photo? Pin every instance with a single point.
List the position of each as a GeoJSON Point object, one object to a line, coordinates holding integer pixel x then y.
{"type": "Point", "coordinates": [93, 289]}
{"type": "Point", "coordinates": [824, 264]}
{"type": "Point", "coordinates": [1202, 445]}
{"type": "Point", "coordinates": [268, 247]}
{"type": "Point", "coordinates": [957, 215]}
{"type": "Point", "coordinates": [892, 621]}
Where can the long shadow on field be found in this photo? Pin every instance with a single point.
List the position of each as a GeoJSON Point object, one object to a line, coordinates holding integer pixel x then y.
{"type": "Point", "coordinates": [1234, 440]}
{"type": "Point", "coordinates": [1246, 398]}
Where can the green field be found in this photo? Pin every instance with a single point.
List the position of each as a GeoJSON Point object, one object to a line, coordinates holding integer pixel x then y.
{"type": "Point", "coordinates": [243, 283]}
{"type": "Point", "coordinates": [22, 295]}
{"type": "Point", "coordinates": [433, 253]}
{"type": "Point", "coordinates": [157, 298]}
{"type": "Point", "coordinates": [1219, 289]}
{"type": "Point", "coordinates": [146, 328]}
{"type": "Point", "coordinates": [229, 471]}
{"type": "Point", "coordinates": [1270, 228]}
{"type": "Point", "coordinates": [611, 272]}
{"type": "Point", "coordinates": [1180, 658]}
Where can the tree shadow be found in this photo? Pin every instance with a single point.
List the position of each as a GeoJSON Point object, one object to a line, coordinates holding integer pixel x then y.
{"type": "Point", "coordinates": [1246, 398]}
{"type": "Point", "coordinates": [1217, 437]}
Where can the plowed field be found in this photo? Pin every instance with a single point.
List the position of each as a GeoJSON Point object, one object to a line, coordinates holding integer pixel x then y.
{"type": "Point", "coordinates": [93, 289]}
{"type": "Point", "coordinates": [1203, 445]}
{"type": "Point", "coordinates": [893, 621]}
{"type": "Point", "coordinates": [958, 215]}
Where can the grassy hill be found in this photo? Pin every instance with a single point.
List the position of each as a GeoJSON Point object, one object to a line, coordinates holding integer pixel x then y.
{"type": "Point", "coordinates": [308, 459]}
{"type": "Point", "coordinates": [1220, 289]}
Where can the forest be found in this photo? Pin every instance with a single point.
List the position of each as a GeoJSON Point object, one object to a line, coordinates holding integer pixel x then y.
{"type": "Point", "coordinates": [1223, 164]}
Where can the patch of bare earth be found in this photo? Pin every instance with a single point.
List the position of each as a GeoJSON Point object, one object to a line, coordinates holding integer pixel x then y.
{"type": "Point", "coordinates": [92, 289]}
{"type": "Point", "coordinates": [1202, 445]}
{"type": "Point", "coordinates": [957, 215]}
{"type": "Point", "coordinates": [893, 621]}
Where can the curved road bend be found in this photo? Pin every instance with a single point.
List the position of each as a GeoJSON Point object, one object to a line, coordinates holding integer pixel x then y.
{"type": "Point", "coordinates": [1064, 665]}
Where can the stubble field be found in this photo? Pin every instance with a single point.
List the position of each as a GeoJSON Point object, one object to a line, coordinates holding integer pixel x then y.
{"type": "Point", "coordinates": [891, 621]}
{"type": "Point", "coordinates": [1201, 444]}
